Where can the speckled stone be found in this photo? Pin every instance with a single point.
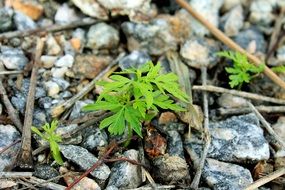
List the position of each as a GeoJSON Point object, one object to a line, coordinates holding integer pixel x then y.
{"type": "Point", "coordinates": [46, 172]}
{"type": "Point", "coordinates": [175, 144]}
{"type": "Point", "coordinates": [134, 60]}
{"type": "Point", "coordinates": [232, 22]}
{"type": "Point", "coordinates": [13, 58]}
{"type": "Point", "coordinates": [23, 22]}
{"type": "Point", "coordinates": [94, 138]}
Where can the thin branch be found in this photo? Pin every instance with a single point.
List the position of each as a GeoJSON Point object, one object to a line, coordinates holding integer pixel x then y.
{"type": "Point", "coordinates": [15, 174]}
{"type": "Point", "coordinates": [243, 110]}
{"type": "Point", "coordinates": [248, 95]}
{"type": "Point", "coordinates": [10, 72]}
{"type": "Point", "coordinates": [134, 162]}
{"type": "Point", "coordinates": [13, 114]}
{"type": "Point", "coordinates": [199, 169]}
{"type": "Point", "coordinates": [59, 109]}
{"type": "Point", "coordinates": [44, 183]}
{"type": "Point", "coordinates": [24, 158]}
{"type": "Point", "coordinates": [230, 43]}
{"type": "Point", "coordinates": [266, 179]}
{"type": "Point", "coordinates": [266, 125]}
{"type": "Point", "coordinates": [9, 146]}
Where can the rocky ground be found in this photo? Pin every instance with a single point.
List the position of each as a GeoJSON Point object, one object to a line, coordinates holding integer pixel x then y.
{"type": "Point", "coordinates": [99, 37]}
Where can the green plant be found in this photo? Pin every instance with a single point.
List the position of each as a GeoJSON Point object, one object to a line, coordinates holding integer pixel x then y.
{"type": "Point", "coordinates": [132, 101]}
{"type": "Point", "coordinates": [279, 69]}
{"type": "Point", "coordinates": [50, 136]}
{"type": "Point", "coordinates": [242, 70]}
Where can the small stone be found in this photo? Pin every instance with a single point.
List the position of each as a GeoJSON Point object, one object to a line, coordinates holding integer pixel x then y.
{"type": "Point", "coordinates": [175, 144]}
{"type": "Point", "coordinates": [233, 21]}
{"type": "Point", "coordinates": [170, 168]}
{"type": "Point", "coordinates": [40, 117]}
{"type": "Point", "coordinates": [229, 4]}
{"type": "Point", "coordinates": [52, 46]}
{"type": "Point", "coordinates": [94, 138]}
{"type": "Point", "coordinates": [89, 66]}
{"type": "Point", "coordinates": [6, 22]}
{"type": "Point", "coordinates": [46, 172]}
{"type": "Point", "coordinates": [30, 8]}
{"type": "Point", "coordinates": [166, 117]}
{"type": "Point", "coordinates": [63, 84]}
{"type": "Point", "coordinates": [65, 15]}
{"type": "Point", "coordinates": [52, 88]}
{"type": "Point", "coordinates": [102, 36]}
{"type": "Point", "coordinates": [125, 175]}
{"type": "Point", "coordinates": [261, 12]}
{"type": "Point", "coordinates": [91, 8]}
{"type": "Point", "coordinates": [199, 52]}
{"type": "Point", "coordinates": [84, 184]}
{"type": "Point", "coordinates": [48, 61]}
{"type": "Point", "coordinates": [23, 22]}
{"type": "Point", "coordinates": [220, 175]}
{"type": "Point", "coordinates": [13, 58]}
{"type": "Point", "coordinates": [58, 72]}
{"type": "Point", "coordinates": [78, 39]}
{"type": "Point", "coordinates": [231, 101]}
{"type": "Point", "coordinates": [64, 130]}
{"type": "Point", "coordinates": [112, 187]}
{"type": "Point", "coordinates": [8, 134]}
{"type": "Point", "coordinates": [77, 108]}
{"type": "Point", "coordinates": [135, 59]}
{"type": "Point", "coordinates": [8, 184]}
{"type": "Point", "coordinates": [76, 44]}
{"type": "Point", "coordinates": [65, 61]}
{"type": "Point", "coordinates": [279, 127]}
{"type": "Point", "coordinates": [85, 160]}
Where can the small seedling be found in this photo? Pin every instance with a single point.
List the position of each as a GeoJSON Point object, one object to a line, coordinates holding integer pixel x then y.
{"type": "Point", "coordinates": [133, 101]}
{"type": "Point", "coordinates": [279, 69]}
{"type": "Point", "coordinates": [242, 70]}
{"type": "Point", "coordinates": [50, 136]}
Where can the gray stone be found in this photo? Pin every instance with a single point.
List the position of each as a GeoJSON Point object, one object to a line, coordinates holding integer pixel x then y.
{"type": "Point", "coordinates": [124, 174]}
{"type": "Point", "coordinates": [58, 72]}
{"type": "Point", "coordinates": [40, 117]}
{"type": "Point", "coordinates": [65, 15]}
{"type": "Point", "coordinates": [8, 135]}
{"type": "Point", "coordinates": [46, 172]}
{"type": "Point", "coordinates": [238, 139]}
{"type": "Point", "coordinates": [79, 33]}
{"type": "Point", "coordinates": [251, 35]}
{"type": "Point", "coordinates": [233, 21]}
{"type": "Point", "coordinates": [77, 108]}
{"type": "Point", "coordinates": [261, 12]}
{"type": "Point", "coordinates": [135, 59]}
{"type": "Point", "coordinates": [198, 52]}
{"type": "Point", "coordinates": [63, 84]}
{"type": "Point", "coordinates": [170, 168]}
{"type": "Point", "coordinates": [221, 176]}
{"type": "Point", "coordinates": [52, 88]}
{"type": "Point", "coordinates": [279, 127]}
{"type": "Point", "coordinates": [111, 187]}
{"type": "Point", "coordinates": [65, 61]}
{"type": "Point", "coordinates": [92, 8]}
{"type": "Point", "coordinates": [45, 102]}
{"type": "Point", "coordinates": [229, 4]}
{"type": "Point", "coordinates": [23, 22]}
{"type": "Point", "coordinates": [102, 36]}
{"type": "Point", "coordinates": [85, 160]}
{"type": "Point", "coordinates": [6, 22]}
{"type": "Point", "coordinates": [94, 138]}
{"type": "Point", "coordinates": [63, 130]}
{"type": "Point", "coordinates": [231, 101]}
{"type": "Point", "coordinates": [13, 58]}
{"type": "Point", "coordinates": [48, 61]}
{"type": "Point", "coordinates": [175, 144]}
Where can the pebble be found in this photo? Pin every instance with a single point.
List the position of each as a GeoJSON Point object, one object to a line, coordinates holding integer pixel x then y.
{"type": "Point", "coordinates": [32, 9]}
{"type": "Point", "coordinates": [63, 84]}
{"type": "Point", "coordinates": [52, 46]}
{"type": "Point", "coordinates": [89, 66]}
{"type": "Point", "coordinates": [231, 101]}
{"type": "Point", "coordinates": [23, 22]}
{"type": "Point", "coordinates": [198, 52]}
{"type": "Point", "coordinates": [84, 184]}
{"type": "Point", "coordinates": [48, 61]}
{"type": "Point", "coordinates": [94, 138]}
{"type": "Point", "coordinates": [102, 36]}
{"type": "Point", "coordinates": [52, 88]}
{"type": "Point", "coordinates": [229, 4]}
{"type": "Point", "coordinates": [175, 144]}
{"type": "Point", "coordinates": [13, 58]}
{"type": "Point", "coordinates": [6, 22]}
{"type": "Point", "coordinates": [92, 8]}
{"type": "Point", "coordinates": [220, 175]}
{"type": "Point", "coordinates": [78, 39]}
{"type": "Point", "coordinates": [8, 134]}
{"type": "Point", "coordinates": [261, 12]}
{"type": "Point", "coordinates": [65, 15]}
{"type": "Point", "coordinates": [65, 61]}
{"type": "Point", "coordinates": [125, 175]}
{"type": "Point", "coordinates": [40, 117]}
{"type": "Point", "coordinates": [58, 72]}
{"type": "Point", "coordinates": [170, 168]}
{"type": "Point", "coordinates": [167, 117]}
{"type": "Point", "coordinates": [64, 130]}
{"type": "Point", "coordinates": [76, 111]}
{"type": "Point", "coordinates": [279, 127]}
{"type": "Point", "coordinates": [233, 21]}
{"type": "Point", "coordinates": [85, 160]}
{"type": "Point", "coordinates": [134, 60]}
{"type": "Point", "coordinates": [8, 184]}
{"type": "Point", "coordinates": [46, 172]}
{"type": "Point", "coordinates": [238, 139]}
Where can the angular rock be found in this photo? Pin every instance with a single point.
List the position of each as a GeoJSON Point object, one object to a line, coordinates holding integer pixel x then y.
{"type": "Point", "coordinates": [48, 61]}
{"type": "Point", "coordinates": [102, 36]}
{"type": "Point", "coordinates": [94, 138]}
{"type": "Point", "coordinates": [220, 175]}
{"type": "Point", "coordinates": [229, 4]}
{"type": "Point", "coordinates": [58, 72]}
{"type": "Point", "coordinates": [65, 15]}
{"type": "Point", "coordinates": [261, 12]}
{"type": "Point", "coordinates": [279, 127]}
{"type": "Point", "coordinates": [65, 61]}
{"type": "Point", "coordinates": [13, 58]}
{"type": "Point", "coordinates": [125, 175]}
{"type": "Point", "coordinates": [52, 46]}
{"type": "Point", "coordinates": [30, 8]}
{"type": "Point", "coordinates": [46, 172]}
{"type": "Point", "coordinates": [92, 8]}
{"type": "Point", "coordinates": [23, 22]}
{"type": "Point", "coordinates": [52, 88]}
{"type": "Point", "coordinates": [6, 22]}
{"type": "Point", "coordinates": [64, 130]}
{"type": "Point", "coordinates": [8, 135]}
{"type": "Point", "coordinates": [231, 101]}
{"type": "Point", "coordinates": [134, 60]}
{"type": "Point", "coordinates": [175, 144]}
{"type": "Point", "coordinates": [77, 108]}
{"type": "Point", "coordinates": [233, 21]}
{"type": "Point", "coordinates": [8, 184]}
{"type": "Point", "coordinates": [85, 160]}
{"type": "Point", "coordinates": [89, 66]}
{"type": "Point", "coordinates": [40, 117]}
{"type": "Point", "coordinates": [166, 118]}
{"type": "Point", "coordinates": [63, 84]}
{"type": "Point", "coordinates": [238, 139]}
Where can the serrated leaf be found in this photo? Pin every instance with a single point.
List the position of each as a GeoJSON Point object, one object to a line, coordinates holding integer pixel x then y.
{"type": "Point", "coordinates": [117, 127]}
{"type": "Point", "coordinates": [133, 120]}
{"type": "Point", "coordinates": [101, 105]}
{"type": "Point", "coordinates": [35, 130]}
{"type": "Point", "coordinates": [120, 78]}
{"type": "Point", "coordinates": [146, 92]}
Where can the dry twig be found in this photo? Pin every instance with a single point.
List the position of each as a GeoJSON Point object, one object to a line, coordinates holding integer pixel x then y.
{"type": "Point", "coordinates": [230, 43]}
{"type": "Point", "coordinates": [10, 72]}
{"type": "Point", "coordinates": [243, 110]}
{"type": "Point", "coordinates": [24, 158]}
{"type": "Point", "coordinates": [15, 174]}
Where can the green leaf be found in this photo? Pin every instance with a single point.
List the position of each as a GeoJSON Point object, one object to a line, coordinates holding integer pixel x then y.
{"type": "Point", "coordinates": [279, 69]}
{"type": "Point", "coordinates": [55, 152]}
{"type": "Point", "coordinates": [117, 127]}
{"type": "Point", "coordinates": [101, 105]}
{"type": "Point", "coordinates": [35, 130]}
{"type": "Point", "coordinates": [133, 120]}
{"type": "Point", "coordinates": [146, 92]}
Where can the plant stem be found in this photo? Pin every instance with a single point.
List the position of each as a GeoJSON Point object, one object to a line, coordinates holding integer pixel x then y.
{"type": "Point", "coordinates": [130, 134]}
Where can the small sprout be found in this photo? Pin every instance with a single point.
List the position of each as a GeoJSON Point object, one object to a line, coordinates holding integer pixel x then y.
{"type": "Point", "coordinates": [279, 69]}
{"type": "Point", "coordinates": [242, 70]}
{"type": "Point", "coordinates": [133, 101]}
{"type": "Point", "coordinates": [50, 136]}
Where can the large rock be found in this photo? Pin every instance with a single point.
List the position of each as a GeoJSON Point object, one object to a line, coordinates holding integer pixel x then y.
{"type": "Point", "coordinates": [222, 176]}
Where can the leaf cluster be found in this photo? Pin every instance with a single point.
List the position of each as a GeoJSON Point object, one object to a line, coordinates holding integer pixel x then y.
{"type": "Point", "coordinates": [50, 136]}
{"type": "Point", "coordinates": [135, 100]}
{"type": "Point", "coordinates": [242, 70]}
{"type": "Point", "coordinates": [279, 69]}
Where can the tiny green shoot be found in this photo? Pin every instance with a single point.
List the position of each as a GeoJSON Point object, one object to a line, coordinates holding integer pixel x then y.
{"type": "Point", "coordinates": [278, 69]}
{"type": "Point", "coordinates": [242, 70]}
{"type": "Point", "coordinates": [50, 136]}
{"type": "Point", "coordinates": [132, 101]}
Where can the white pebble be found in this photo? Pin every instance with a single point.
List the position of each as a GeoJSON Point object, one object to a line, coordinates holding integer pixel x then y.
{"type": "Point", "coordinates": [65, 61]}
